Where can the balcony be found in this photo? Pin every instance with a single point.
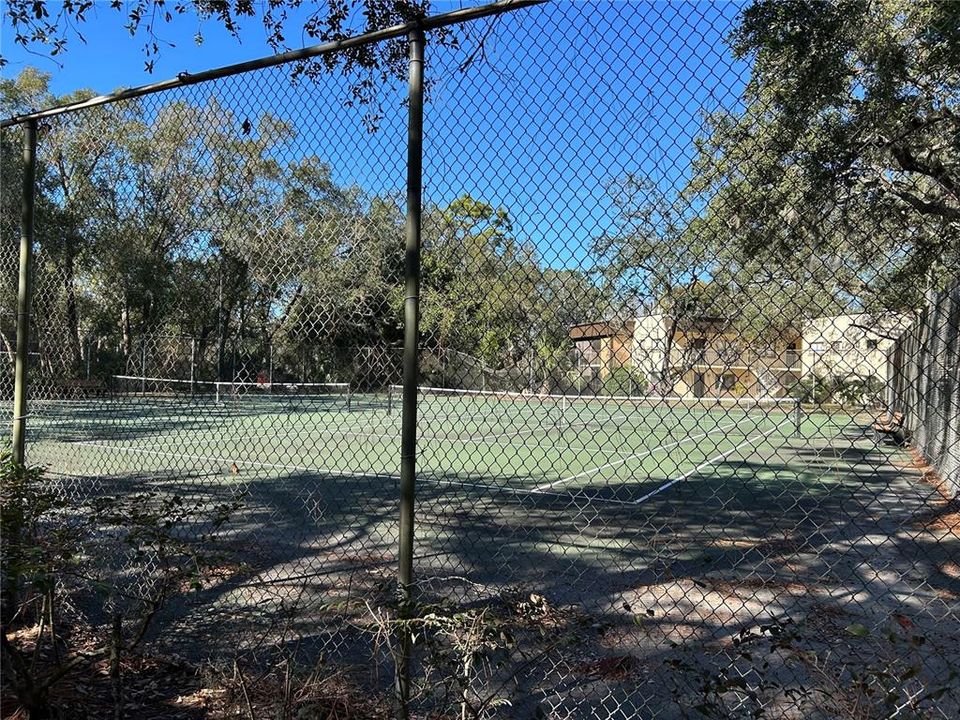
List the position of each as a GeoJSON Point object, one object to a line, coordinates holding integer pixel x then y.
{"type": "Point", "coordinates": [733, 358]}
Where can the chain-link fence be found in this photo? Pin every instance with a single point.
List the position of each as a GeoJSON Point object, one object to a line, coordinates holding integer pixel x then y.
{"type": "Point", "coordinates": [675, 264]}
{"type": "Point", "coordinates": [926, 367]}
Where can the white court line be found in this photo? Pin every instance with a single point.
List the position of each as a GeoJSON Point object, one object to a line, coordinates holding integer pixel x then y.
{"type": "Point", "coordinates": [343, 473]}
{"type": "Point", "coordinates": [541, 490]}
{"type": "Point", "coordinates": [450, 440]}
{"type": "Point", "coordinates": [711, 461]}
{"type": "Point", "coordinates": [554, 426]}
{"type": "Point", "coordinates": [238, 418]}
{"type": "Point", "coordinates": [543, 446]}
{"type": "Point", "coordinates": [636, 456]}
{"type": "Point", "coordinates": [440, 438]}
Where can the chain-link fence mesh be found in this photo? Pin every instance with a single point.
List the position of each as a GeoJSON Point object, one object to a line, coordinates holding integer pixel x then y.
{"type": "Point", "coordinates": [925, 367]}
{"type": "Point", "coordinates": [11, 142]}
{"type": "Point", "coordinates": [677, 266]}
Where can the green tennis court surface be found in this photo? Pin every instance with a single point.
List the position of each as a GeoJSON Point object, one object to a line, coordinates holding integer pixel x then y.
{"type": "Point", "coordinates": [558, 490]}
{"type": "Point", "coordinates": [617, 451]}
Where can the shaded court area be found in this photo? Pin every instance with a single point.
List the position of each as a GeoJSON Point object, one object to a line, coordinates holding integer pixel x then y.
{"type": "Point", "coordinates": [664, 528]}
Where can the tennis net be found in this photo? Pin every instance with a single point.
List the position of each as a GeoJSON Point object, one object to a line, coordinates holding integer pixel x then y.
{"type": "Point", "coordinates": [599, 406]}
{"type": "Point", "coordinates": [230, 392]}
{"type": "Point", "coordinates": [244, 391]}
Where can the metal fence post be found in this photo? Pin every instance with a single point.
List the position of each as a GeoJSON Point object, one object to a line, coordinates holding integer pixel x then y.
{"type": "Point", "coordinates": [408, 430]}
{"type": "Point", "coordinates": [24, 293]}
{"type": "Point", "coordinates": [193, 366]}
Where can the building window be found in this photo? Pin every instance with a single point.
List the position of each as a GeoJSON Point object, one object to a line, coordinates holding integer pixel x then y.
{"type": "Point", "coordinates": [596, 354]}
{"type": "Point", "coordinates": [588, 354]}
{"type": "Point", "coordinates": [793, 353]}
{"type": "Point", "coordinates": [698, 347]}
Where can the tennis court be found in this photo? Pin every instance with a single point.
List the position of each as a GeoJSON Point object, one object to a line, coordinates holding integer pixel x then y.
{"type": "Point", "coordinates": [676, 496]}
{"type": "Point", "coordinates": [533, 482]}
{"type": "Point", "coordinates": [616, 450]}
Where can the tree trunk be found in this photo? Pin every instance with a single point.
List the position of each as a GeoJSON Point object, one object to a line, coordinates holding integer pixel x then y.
{"type": "Point", "coordinates": [8, 348]}
{"type": "Point", "coordinates": [125, 327]}
{"type": "Point", "coordinates": [666, 374]}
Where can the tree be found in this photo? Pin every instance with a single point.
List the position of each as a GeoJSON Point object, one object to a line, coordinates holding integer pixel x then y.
{"type": "Point", "coordinates": [492, 303]}
{"type": "Point", "coordinates": [564, 297]}
{"type": "Point", "coordinates": [658, 261]}
{"type": "Point", "coordinates": [146, 212]}
{"type": "Point", "coordinates": [843, 165]}
{"type": "Point", "coordinates": [49, 28]}
{"type": "Point", "coordinates": [64, 175]}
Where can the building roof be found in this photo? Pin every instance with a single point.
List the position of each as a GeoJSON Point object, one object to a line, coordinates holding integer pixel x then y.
{"type": "Point", "coordinates": [601, 329]}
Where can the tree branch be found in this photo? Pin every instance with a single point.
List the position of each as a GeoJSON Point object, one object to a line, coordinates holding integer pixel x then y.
{"type": "Point", "coordinates": [933, 168]}
{"type": "Point", "coordinates": [928, 207]}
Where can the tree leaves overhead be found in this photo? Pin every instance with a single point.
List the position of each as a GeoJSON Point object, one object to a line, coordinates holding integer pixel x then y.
{"type": "Point", "coordinates": [50, 28]}
{"type": "Point", "coordinates": [847, 144]}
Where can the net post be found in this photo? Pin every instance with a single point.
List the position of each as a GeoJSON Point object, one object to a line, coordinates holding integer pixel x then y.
{"type": "Point", "coordinates": [24, 293]}
{"type": "Point", "coordinates": [143, 365]}
{"type": "Point", "coordinates": [408, 430]}
{"type": "Point", "coordinates": [798, 417]}
{"type": "Point", "coordinates": [193, 366]}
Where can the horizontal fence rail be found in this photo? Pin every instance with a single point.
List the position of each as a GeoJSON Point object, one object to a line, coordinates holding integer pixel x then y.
{"type": "Point", "coordinates": [183, 79]}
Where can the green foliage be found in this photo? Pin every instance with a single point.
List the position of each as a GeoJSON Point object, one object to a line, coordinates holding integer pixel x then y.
{"type": "Point", "coordinates": [486, 294]}
{"type": "Point", "coordinates": [832, 187]}
{"type": "Point", "coordinates": [837, 180]}
{"type": "Point", "coordinates": [45, 31]}
{"type": "Point", "coordinates": [624, 381]}
{"type": "Point", "coordinates": [55, 548]}
{"type": "Point", "coordinates": [650, 257]}
{"type": "Point", "coordinates": [31, 554]}
{"type": "Point", "coordinates": [846, 390]}
{"type": "Point", "coordinates": [319, 279]}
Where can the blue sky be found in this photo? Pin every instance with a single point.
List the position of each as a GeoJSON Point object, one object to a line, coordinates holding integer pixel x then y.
{"type": "Point", "coordinates": [570, 97]}
{"type": "Point", "coordinates": [109, 57]}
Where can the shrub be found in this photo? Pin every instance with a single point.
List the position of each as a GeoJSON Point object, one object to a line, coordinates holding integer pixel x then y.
{"type": "Point", "coordinates": [851, 390]}
{"type": "Point", "coordinates": [624, 381]}
{"type": "Point", "coordinates": [55, 546]}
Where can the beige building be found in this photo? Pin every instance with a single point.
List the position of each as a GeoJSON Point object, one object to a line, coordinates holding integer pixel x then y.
{"type": "Point", "coordinates": [709, 358]}
{"type": "Point", "coordinates": [601, 347]}
{"type": "Point", "coordinates": [851, 346]}
{"type": "Point", "coordinates": [705, 356]}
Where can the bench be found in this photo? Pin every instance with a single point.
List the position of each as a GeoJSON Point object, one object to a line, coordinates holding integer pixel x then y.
{"type": "Point", "coordinates": [892, 428]}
